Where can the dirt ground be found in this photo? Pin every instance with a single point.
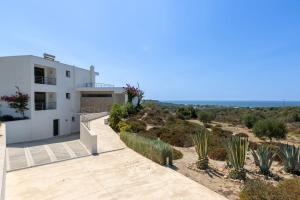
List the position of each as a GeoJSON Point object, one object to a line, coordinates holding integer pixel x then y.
{"type": "Point", "coordinates": [212, 178]}
{"type": "Point", "coordinates": [216, 178]}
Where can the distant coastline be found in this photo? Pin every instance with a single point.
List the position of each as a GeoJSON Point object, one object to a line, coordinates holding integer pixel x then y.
{"type": "Point", "coordinates": [244, 104]}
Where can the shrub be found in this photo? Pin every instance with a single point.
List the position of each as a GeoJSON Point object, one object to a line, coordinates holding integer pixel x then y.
{"type": "Point", "coordinates": [291, 158]}
{"type": "Point", "coordinates": [115, 116]}
{"type": "Point", "coordinates": [290, 188]}
{"type": "Point", "coordinates": [19, 101]}
{"type": "Point", "coordinates": [156, 150]}
{"type": "Point", "coordinates": [236, 150]}
{"type": "Point", "coordinates": [249, 120]}
{"type": "Point", "coordinates": [242, 135]}
{"type": "Point", "coordinates": [136, 125]}
{"type": "Point", "coordinates": [221, 133]}
{"type": "Point", "coordinates": [270, 128]}
{"type": "Point", "coordinates": [206, 116]}
{"type": "Point", "coordinates": [216, 148]}
{"type": "Point", "coordinates": [124, 127]}
{"type": "Point", "coordinates": [127, 110]}
{"type": "Point", "coordinates": [177, 154]}
{"type": "Point", "coordinates": [179, 133]}
{"type": "Point", "coordinates": [263, 157]}
{"type": "Point", "coordinates": [260, 190]}
{"type": "Point", "coordinates": [200, 141]}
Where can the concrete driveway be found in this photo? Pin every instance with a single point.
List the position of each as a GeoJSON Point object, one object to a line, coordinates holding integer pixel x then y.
{"type": "Point", "coordinates": [119, 174]}
{"type": "Point", "coordinates": [29, 154]}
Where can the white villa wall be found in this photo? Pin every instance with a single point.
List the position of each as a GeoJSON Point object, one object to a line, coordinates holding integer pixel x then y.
{"type": "Point", "coordinates": [14, 71]}
{"type": "Point", "coordinates": [18, 131]}
{"type": "Point", "coordinates": [19, 71]}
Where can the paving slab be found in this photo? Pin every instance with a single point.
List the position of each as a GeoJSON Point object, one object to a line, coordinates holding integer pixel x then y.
{"type": "Point", "coordinates": [122, 174]}
{"type": "Point", "coordinates": [29, 154]}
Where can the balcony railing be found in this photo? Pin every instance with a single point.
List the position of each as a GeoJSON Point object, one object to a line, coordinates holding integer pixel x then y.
{"type": "Point", "coordinates": [45, 106]}
{"type": "Point", "coordinates": [45, 80]}
{"type": "Point", "coordinates": [97, 85]}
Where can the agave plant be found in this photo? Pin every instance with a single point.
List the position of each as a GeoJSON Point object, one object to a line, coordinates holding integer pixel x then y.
{"type": "Point", "coordinates": [263, 158]}
{"type": "Point", "coordinates": [200, 140]}
{"type": "Point", "coordinates": [290, 156]}
{"type": "Point", "coordinates": [236, 148]}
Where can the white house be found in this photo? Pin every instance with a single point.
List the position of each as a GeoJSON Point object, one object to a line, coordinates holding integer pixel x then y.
{"type": "Point", "coordinates": [58, 94]}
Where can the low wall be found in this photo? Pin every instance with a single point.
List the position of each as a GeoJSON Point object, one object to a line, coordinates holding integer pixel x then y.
{"type": "Point", "coordinates": [18, 131]}
{"type": "Point", "coordinates": [88, 139]}
{"type": "Point", "coordinates": [2, 160]}
{"type": "Point", "coordinates": [92, 116]}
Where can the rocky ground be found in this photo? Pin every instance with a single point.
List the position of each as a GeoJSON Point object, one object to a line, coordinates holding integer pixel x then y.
{"type": "Point", "coordinates": [216, 177]}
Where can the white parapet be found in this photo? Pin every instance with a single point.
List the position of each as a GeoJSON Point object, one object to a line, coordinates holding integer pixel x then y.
{"type": "Point", "coordinates": [2, 160]}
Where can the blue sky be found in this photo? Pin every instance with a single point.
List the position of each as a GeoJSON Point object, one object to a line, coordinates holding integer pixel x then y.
{"type": "Point", "coordinates": [176, 50]}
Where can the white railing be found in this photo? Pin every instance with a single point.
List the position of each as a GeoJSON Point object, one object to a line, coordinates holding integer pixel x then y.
{"type": "Point", "coordinates": [97, 85]}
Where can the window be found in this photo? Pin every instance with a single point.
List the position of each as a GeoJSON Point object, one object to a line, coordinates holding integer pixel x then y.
{"type": "Point", "coordinates": [73, 119]}
{"type": "Point", "coordinates": [68, 95]}
{"type": "Point", "coordinates": [68, 73]}
{"type": "Point", "coordinates": [96, 95]}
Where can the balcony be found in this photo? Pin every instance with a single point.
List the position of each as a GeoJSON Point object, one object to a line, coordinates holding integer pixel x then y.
{"type": "Point", "coordinates": [45, 106]}
{"type": "Point", "coordinates": [45, 101]}
{"type": "Point", "coordinates": [44, 75]}
{"type": "Point", "coordinates": [44, 80]}
{"type": "Point", "coordinates": [97, 85]}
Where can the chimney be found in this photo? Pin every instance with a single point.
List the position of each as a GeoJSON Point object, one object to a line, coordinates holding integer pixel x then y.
{"type": "Point", "coordinates": [49, 57]}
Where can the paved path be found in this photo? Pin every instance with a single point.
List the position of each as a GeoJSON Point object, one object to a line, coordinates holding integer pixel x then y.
{"type": "Point", "coordinates": [118, 174]}
{"type": "Point", "coordinates": [29, 154]}
{"type": "Point", "coordinates": [108, 139]}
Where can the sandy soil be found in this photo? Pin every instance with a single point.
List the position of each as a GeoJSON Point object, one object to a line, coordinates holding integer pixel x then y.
{"type": "Point", "coordinates": [216, 178]}
{"type": "Point", "coordinates": [212, 178]}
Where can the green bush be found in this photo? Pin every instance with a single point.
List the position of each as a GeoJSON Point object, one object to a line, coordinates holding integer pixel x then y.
{"type": "Point", "coordinates": [270, 128]}
{"type": "Point", "coordinates": [186, 112]}
{"type": "Point", "coordinates": [156, 150]}
{"type": "Point", "coordinates": [287, 189]}
{"type": "Point", "coordinates": [220, 132]}
{"type": "Point", "coordinates": [136, 125]}
{"type": "Point", "coordinates": [115, 116]}
{"type": "Point", "coordinates": [177, 154]}
{"type": "Point", "coordinates": [206, 116]}
{"type": "Point", "coordinates": [249, 120]}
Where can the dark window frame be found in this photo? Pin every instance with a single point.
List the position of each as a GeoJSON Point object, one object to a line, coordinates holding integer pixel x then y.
{"type": "Point", "coordinates": [68, 73]}
{"type": "Point", "coordinates": [68, 95]}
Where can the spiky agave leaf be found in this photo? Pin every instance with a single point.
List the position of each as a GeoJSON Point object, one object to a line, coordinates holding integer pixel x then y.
{"type": "Point", "coordinates": [236, 148]}
{"type": "Point", "coordinates": [200, 140]}
{"type": "Point", "coordinates": [291, 158]}
{"type": "Point", "coordinates": [263, 158]}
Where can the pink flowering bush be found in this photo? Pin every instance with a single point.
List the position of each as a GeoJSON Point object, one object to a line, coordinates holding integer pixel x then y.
{"type": "Point", "coordinates": [19, 101]}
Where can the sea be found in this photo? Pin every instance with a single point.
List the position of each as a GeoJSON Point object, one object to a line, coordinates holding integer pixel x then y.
{"type": "Point", "coordinates": [243, 104]}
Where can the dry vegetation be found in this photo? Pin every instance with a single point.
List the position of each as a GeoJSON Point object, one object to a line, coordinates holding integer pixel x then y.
{"type": "Point", "coordinates": [176, 129]}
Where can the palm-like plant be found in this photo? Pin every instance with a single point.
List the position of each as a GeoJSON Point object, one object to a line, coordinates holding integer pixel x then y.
{"type": "Point", "coordinates": [290, 156]}
{"type": "Point", "coordinates": [236, 150]}
{"type": "Point", "coordinates": [200, 140]}
{"type": "Point", "coordinates": [263, 158]}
